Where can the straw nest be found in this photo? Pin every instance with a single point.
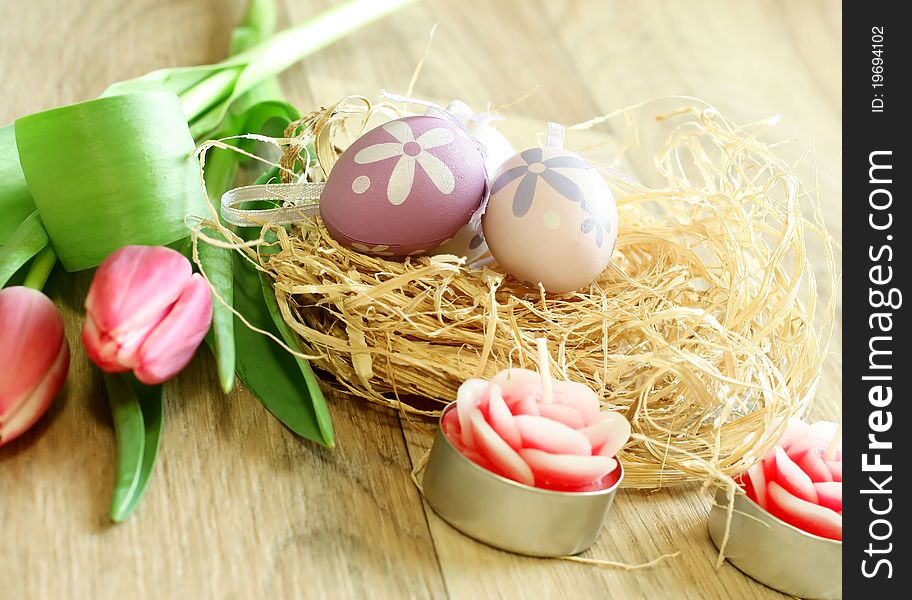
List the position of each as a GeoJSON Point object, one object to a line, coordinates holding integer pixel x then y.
{"type": "Point", "coordinates": [707, 329]}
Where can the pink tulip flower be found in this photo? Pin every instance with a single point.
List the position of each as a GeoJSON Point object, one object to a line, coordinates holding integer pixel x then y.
{"type": "Point", "coordinates": [34, 358]}
{"type": "Point", "coordinates": [566, 444]}
{"type": "Point", "coordinates": [146, 312]}
{"type": "Point", "coordinates": [798, 482]}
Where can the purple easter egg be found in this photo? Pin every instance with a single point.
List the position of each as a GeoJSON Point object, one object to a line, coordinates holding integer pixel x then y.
{"type": "Point", "coordinates": [404, 187]}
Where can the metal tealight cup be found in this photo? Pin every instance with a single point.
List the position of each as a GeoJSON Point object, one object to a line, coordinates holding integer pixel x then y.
{"type": "Point", "coordinates": [775, 553]}
{"type": "Point", "coordinates": [509, 515]}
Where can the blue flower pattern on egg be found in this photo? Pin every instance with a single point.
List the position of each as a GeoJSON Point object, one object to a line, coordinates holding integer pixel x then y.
{"type": "Point", "coordinates": [599, 220]}
{"type": "Point", "coordinates": [535, 168]}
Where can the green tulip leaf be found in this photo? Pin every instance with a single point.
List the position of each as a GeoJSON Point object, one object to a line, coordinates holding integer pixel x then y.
{"type": "Point", "coordinates": [217, 264]}
{"type": "Point", "coordinates": [138, 414]}
{"type": "Point", "coordinates": [27, 241]}
{"type": "Point", "coordinates": [321, 409]}
{"type": "Point", "coordinates": [284, 385]}
{"type": "Point", "coordinates": [221, 169]}
{"type": "Point", "coordinates": [258, 111]}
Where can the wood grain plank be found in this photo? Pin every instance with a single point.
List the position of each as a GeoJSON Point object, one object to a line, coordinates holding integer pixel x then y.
{"type": "Point", "coordinates": [238, 504]}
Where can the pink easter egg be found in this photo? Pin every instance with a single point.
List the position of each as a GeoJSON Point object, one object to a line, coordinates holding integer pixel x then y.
{"type": "Point", "coordinates": [551, 219]}
{"type": "Point", "coordinates": [404, 187]}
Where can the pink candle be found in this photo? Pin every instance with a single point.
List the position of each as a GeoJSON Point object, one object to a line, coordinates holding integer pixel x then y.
{"type": "Point", "coordinates": [800, 479]}
{"type": "Point", "coordinates": [540, 432]}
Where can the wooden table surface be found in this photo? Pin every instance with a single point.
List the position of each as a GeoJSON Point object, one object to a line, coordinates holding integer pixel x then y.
{"type": "Point", "coordinates": [241, 508]}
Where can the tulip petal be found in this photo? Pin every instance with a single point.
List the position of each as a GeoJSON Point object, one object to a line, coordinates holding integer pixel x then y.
{"type": "Point", "coordinates": [550, 436]}
{"type": "Point", "coordinates": [812, 463]}
{"type": "Point", "coordinates": [562, 413]}
{"type": "Point", "coordinates": [507, 461]}
{"type": "Point", "coordinates": [32, 407]}
{"type": "Point", "coordinates": [102, 350]}
{"type": "Point", "coordinates": [835, 467]}
{"type": "Point", "coordinates": [134, 285]}
{"type": "Point", "coordinates": [501, 420]}
{"type": "Point", "coordinates": [468, 397]}
{"type": "Point", "coordinates": [31, 333]}
{"type": "Point", "coordinates": [615, 429]}
{"type": "Point", "coordinates": [829, 494]}
{"type": "Point", "coordinates": [804, 515]}
{"type": "Point", "coordinates": [567, 470]}
{"type": "Point", "coordinates": [170, 346]}
{"type": "Point", "coordinates": [123, 345]}
{"type": "Point", "coordinates": [792, 478]}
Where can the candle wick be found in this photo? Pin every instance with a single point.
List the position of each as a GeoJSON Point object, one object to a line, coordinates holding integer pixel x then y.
{"type": "Point", "coordinates": [830, 452]}
{"type": "Point", "coordinates": [544, 369]}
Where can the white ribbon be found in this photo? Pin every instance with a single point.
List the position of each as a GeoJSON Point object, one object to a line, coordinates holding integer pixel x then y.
{"type": "Point", "coordinates": [556, 135]}
{"type": "Point", "coordinates": [464, 111]}
{"type": "Point", "coordinates": [298, 202]}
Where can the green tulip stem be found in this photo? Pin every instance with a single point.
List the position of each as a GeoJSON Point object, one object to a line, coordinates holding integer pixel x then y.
{"type": "Point", "coordinates": [244, 71]}
{"type": "Point", "coordinates": [208, 92]}
{"type": "Point", "coordinates": [41, 269]}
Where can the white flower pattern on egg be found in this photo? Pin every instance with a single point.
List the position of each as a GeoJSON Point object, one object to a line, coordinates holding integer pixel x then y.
{"type": "Point", "coordinates": [411, 151]}
{"type": "Point", "coordinates": [361, 184]}
{"type": "Point", "coordinates": [380, 250]}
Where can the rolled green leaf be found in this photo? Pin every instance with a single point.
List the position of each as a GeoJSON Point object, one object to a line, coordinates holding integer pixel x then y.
{"type": "Point", "coordinates": [138, 414]}
{"type": "Point", "coordinates": [15, 201]}
{"type": "Point", "coordinates": [110, 172]}
{"type": "Point", "coordinates": [27, 241]}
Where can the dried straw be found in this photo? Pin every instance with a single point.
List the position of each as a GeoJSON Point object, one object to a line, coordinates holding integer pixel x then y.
{"type": "Point", "coordinates": [707, 329]}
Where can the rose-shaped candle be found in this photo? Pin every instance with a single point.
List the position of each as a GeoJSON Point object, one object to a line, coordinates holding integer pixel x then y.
{"type": "Point", "coordinates": [525, 463]}
{"type": "Point", "coordinates": [786, 529]}
{"type": "Point", "coordinates": [542, 433]}
{"type": "Point", "coordinates": [800, 479]}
